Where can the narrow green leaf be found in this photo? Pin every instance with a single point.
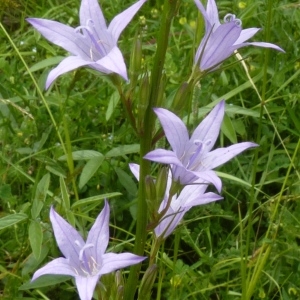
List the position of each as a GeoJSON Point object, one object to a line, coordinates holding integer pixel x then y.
{"type": "Point", "coordinates": [43, 281]}
{"type": "Point", "coordinates": [48, 62]}
{"type": "Point", "coordinates": [89, 170]}
{"type": "Point", "coordinates": [35, 238]}
{"type": "Point", "coordinates": [126, 181]}
{"type": "Point", "coordinates": [10, 220]}
{"type": "Point", "coordinates": [113, 102]}
{"type": "Point", "coordinates": [40, 195]}
{"type": "Point", "coordinates": [64, 193]}
{"type": "Point", "coordinates": [228, 129]}
{"type": "Point", "coordinates": [82, 155]}
{"type": "Point", "coordinates": [94, 199]}
{"type": "Point", "coordinates": [123, 150]}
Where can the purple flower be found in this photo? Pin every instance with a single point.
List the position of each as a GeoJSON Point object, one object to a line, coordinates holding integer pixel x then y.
{"type": "Point", "coordinates": [221, 40]}
{"type": "Point", "coordinates": [190, 196]}
{"type": "Point", "coordinates": [92, 44]}
{"type": "Point", "coordinates": [192, 160]}
{"type": "Point", "coordinates": [85, 261]}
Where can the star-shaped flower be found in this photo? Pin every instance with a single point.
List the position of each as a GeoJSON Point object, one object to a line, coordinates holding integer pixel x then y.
{"type": "Point", "coordinates": [85, 261]}
{"type": "Point", "coordinates": [92, 44]}
{"type": "Point", "coordinates": [192, 160]}
{"type": "Point", "coordinates": [190, 196]}
{"type": "Point", "coordinates": [221, 40]}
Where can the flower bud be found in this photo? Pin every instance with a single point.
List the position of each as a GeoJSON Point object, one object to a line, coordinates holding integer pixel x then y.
{"type": "Point", "coordinates": [143, 99]}
{"type": "Point", "coordinates": [147, 283]}
{"type": "Point", "coordinates": [151, 197]}
{"type": "Point", "coordinates": [181, 96]}
{"type": "Point", "coordinates": [161, 185]}
{"type": "Point", "coordinates": [135, 62]}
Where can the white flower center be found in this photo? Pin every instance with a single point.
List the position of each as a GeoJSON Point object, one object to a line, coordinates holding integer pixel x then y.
{"type": "Point", "coordinates": [195, 158]}
{"type": "Point", "coordinates": [97, 49]}
{"type": "Point", "coordinates": [88, 264]}
{"type": "Point", "coordinates": [231, 18]}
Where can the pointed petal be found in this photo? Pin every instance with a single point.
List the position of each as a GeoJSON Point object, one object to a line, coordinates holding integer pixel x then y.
{"type": "Point", "coordinates": [58, 266]}
{"type": "Point", "coordinates": [209, 129]}
{"type": "Point", "coordinates": [204, 199]}
{"type": "Point", "coordinates": [120, 21]}
{"type": "Point", "coordinates": [135, 170]}
{"type": "Point", "coordinates": [113, 261]}
{"type": "Point", "coordinates": [99, 234]}
{"type": "Point", "coordinates": [246, 34]}
{"type": "Point", "coordinates": [210, 177]}
{"type": "Point", "coordinates": [169, 222]}
{"type": "Point", "coordinates": [200, 6]}
{"type": "Point", "coordinates": [220, 45]}
{"type": "Point", "coordinates": [66, 236]}
{"type": "Point", "coordinates": [263, 45]}
{"type": "Point", "coordinates": [61, 35]}
{"type": "Point", "coordinates": [213, 14]}
{"type": "Point", "coordinates": [175, 130]}
{"type": "Point", "coordinates": [163, 156]}
{"type": "Point", "coordinates": [188, 194]}
{"type": "Point", "coordinates": [86, 286]}
{"type": "Point", "coordinates": [220, 156]}
{"type": "Point", "coordinates": [68, 64]}
{"type": "Point", "coordinates": [113, 62]}
{"type": "Point", "coordinates": [91, 11]}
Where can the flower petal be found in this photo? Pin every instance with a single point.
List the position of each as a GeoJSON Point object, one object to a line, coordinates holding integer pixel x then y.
{"type": "Point", "coordinates": [120, 21]}
{"type": "Point", "coordinates": [91, 11]}
{"type": "Point", "coordinates": [168, 222]}
{"type": "Point", "coordinates": [99, 235]}
{"type": "Point", "coordinates": [261, 44]}
{"type": "Point", "coordinates": [62, 35]}
{"type": "Point", "coordinates": [113, 261]}
{"type": "Point", "coordinates": [246, 34]}
{"type": "Point", "coordinates": [135, 170]}
{"type": "Point", "coordinates": [58, 266]}
{"type": "Point", "coordinates": [175, 130]}
{"type": "Point", "coordinates": [209, 177]}
{"type": "Point", "coordinates": [220, 156]}
{"type": "Point", "coordinates": [220, 45]}
{"type": "Point", "coordinates": [86, 286]}
{"type": "Point", "coordinates": [208, 130]}
{"type": "Point", "coordinates": [204, 199]}
{"type": "Point", "coordinates": [113, 62]}
{"type": "Point", "coordinates": [68, 64]}
{"type": "Point", "coordinates": [163, 156]}
{"type": "Point", "coordinates": [66, 236]}
{"type": "Point", "coordinates": [213, 14]}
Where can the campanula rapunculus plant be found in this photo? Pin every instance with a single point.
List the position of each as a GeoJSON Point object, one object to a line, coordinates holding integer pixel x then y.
{"type": "Point", "coordinates": [221, 40]}
{"type": "Point", "coordinates": [192, 160]}
{"type": "Point", "coordinates": [85, 261]}
{"type": "Point", "coordinates": [91, 44]}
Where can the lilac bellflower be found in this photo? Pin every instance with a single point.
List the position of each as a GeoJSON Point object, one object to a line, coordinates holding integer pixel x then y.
{"type": "Point", "coordinates": [85, 261]}
{"type": "Point", "coordinates": [92, 44]}
{"type": "Point", "coordinates": [221, 40]}
{"type": "Point", "coordinates": [191, 195]}
{"type": "Point", "coordinates": [192, 160]}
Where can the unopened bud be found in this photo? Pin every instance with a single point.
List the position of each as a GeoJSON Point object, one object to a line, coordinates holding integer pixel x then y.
{"type": "Point", "coordinates": [151, 197]}
{"type": "Point", "coordinates": [161, 185]}
{"type": "Point", "coordinates": [135, 61]}
{"type": "Point", "coordinates": [143, 99]}
{"type": "Point", "coordinates": [161, 90]}
{"type": "Point", "coordinates": [181, 97]}
{"type": "Point", "coordinates": [147, 283]}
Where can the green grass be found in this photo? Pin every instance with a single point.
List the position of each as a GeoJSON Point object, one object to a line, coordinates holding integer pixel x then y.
{"type": "Point", "coordinates": [243, 247]}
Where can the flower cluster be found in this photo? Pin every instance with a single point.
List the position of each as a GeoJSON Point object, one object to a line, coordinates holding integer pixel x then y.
{"type": "Point", "coordinates": [191, 161]}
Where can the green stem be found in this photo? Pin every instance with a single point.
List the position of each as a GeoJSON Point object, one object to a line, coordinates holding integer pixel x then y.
{"type": "Point", "coordinates": [170, 7]}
